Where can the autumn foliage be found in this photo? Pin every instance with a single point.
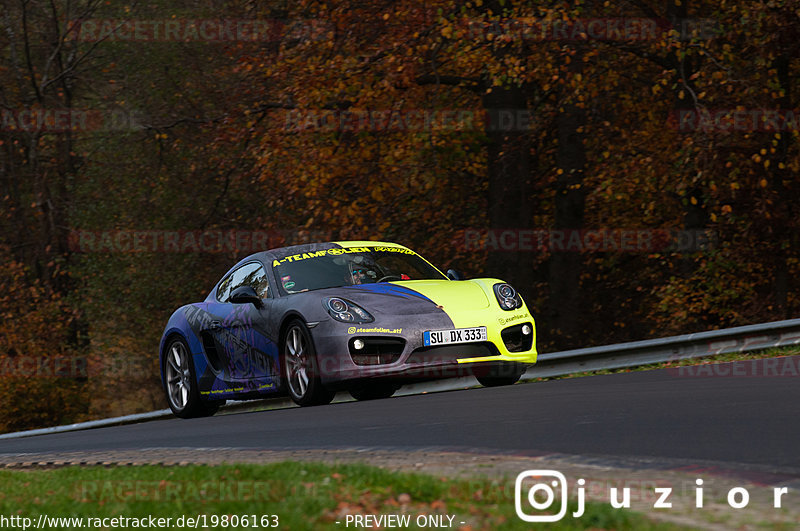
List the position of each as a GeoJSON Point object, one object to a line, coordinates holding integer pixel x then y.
{"type": "Point", "coordinates": [44, 379]}
{"type": "Point", "coordinates": [424, 123]}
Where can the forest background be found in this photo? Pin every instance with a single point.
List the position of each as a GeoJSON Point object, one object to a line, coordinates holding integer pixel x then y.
{"type": "Point", "coordinates": [631, 167]}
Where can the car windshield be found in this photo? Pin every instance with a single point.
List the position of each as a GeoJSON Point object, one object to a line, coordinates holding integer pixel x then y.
{"type": "Point", "coordinates": [350, 266]}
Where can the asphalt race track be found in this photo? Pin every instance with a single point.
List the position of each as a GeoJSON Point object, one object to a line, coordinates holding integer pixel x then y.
{"type": "Point", "coordinates": [688, 415]}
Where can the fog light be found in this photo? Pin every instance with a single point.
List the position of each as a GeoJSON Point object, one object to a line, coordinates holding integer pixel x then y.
{"type": "Point", "coordinates": [526, 330]}
{"type": "Point", "coordinates": [358, 344]}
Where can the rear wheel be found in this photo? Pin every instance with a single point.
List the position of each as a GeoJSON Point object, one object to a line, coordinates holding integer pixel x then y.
{"type": "Point", "coordinates": [373, 390]}
{"type": "Point", "coordinates": [301, 369]}
{"type": "Point", "coordinates": [180, 383]}
{"type": "Point", "coordinates": [498, 375]}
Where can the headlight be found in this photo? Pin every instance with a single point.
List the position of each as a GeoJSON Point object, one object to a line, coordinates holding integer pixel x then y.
{"type": "Point", "coordinates": [346, 311]}
{"type": "Point", "coordinates": [507, 297]}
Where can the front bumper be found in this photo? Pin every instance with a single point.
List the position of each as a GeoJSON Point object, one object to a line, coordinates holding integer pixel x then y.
{"type": "Point", "coordinates": [398, 352]}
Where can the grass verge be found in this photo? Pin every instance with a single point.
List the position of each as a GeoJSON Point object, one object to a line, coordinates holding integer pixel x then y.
{"type": "Point", "coordinates": [301, 495]}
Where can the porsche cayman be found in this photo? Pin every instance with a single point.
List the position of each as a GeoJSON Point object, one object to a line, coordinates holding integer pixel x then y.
{"type": "Point", "coordinates": [366, 317]}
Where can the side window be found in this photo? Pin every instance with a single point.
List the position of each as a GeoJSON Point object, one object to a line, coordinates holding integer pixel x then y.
{"type": "Point", "coordinates": [224, 289]}
{"type": "Point", "coordinates": [252, 274]}
{"type": "Point", "coordinates": [255, 276]}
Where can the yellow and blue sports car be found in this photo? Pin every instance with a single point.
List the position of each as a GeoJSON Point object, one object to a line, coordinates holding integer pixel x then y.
{"type": "Point", "coordinates": [366, 317]}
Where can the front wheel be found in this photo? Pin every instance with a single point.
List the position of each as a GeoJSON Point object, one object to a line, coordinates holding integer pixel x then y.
{"type": "Point", "coordinates": [373, 390]}
{"type": "Point", "coordinates": [180, 383]}
{"type": "Point", "coordinates": [499, 375]}
{"type": "Point", "coordinates": [301, 369]}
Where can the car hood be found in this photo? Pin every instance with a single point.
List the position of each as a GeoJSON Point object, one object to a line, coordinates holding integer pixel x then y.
{"type": "Point", "coordinates": [464, 295]}
{"type": "Point", "coordinates": [415, 296]}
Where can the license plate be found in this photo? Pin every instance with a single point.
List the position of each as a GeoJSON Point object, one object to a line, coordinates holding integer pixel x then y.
{"type": "Point", "coordinates": [459, 335]}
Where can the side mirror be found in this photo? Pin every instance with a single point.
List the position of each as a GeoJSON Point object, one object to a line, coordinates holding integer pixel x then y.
{"type": "Point", "coordinates": [453, 274]}
{"type": "Point", "coordinates": [245, 294]}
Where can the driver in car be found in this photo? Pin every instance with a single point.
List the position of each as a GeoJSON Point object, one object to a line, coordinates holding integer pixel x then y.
{"type": "Point", "coordinates": [359, 276]}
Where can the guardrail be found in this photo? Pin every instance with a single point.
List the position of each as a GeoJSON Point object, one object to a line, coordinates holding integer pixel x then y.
{"type": "Point", "coordinates": [699, 345]}
{"type": "Point", "coordinates": [550, 364]}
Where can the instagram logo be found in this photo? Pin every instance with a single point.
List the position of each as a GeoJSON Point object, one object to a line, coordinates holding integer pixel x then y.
{"type": "Point", "coordinates": [553, 479]}
{"type": "Point", "coordinates": [540, 495]}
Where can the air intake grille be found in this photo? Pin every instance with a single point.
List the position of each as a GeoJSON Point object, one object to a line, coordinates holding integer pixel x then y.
{"type": "Point", "coordinates": [452, 352]}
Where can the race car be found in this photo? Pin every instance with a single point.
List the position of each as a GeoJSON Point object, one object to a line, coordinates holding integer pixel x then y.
{"type": "Point", "coordinates": [365, 317]}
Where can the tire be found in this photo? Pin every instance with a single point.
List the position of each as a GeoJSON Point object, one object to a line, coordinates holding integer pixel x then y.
{"type": "Point", "coordinates": [499, 375]}
{"type": "Point", "coordinates": [301, 373]}
{"type": "Point", "coordinates": [180, 383]}
{"type": "Point", "coordinates": [373, 390]}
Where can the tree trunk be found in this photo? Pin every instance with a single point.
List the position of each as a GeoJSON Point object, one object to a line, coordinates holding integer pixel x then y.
{"type": "Point", "coordinates": [510, 195]}
{"type": "Point", "coordinates": [565, 265]}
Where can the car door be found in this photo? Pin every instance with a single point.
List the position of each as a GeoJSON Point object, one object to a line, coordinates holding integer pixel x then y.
{"type": "Point", "coordinates": [240, 336]}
